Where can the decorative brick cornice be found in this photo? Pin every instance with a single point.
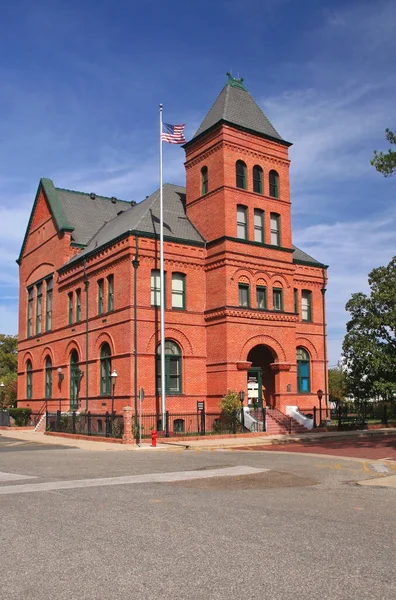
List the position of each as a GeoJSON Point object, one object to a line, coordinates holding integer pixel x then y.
{"type": "Point", "coordinates": [280, 366]}
{"type": "Point", "coordinates": [263, 156]}
{"type": "Point", "coordinates": [243, 365]}
{"type": "Point", "coordinates": [204, 155]}
{"type": "Point", "coordinates": [252, 314]}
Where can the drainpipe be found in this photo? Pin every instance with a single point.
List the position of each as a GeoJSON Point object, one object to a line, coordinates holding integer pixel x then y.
{"type": "Point", "coordinates": [135, 264]}
{"type": "Point", "coordinates": [323, 290]}
{"type": "Point", "coordinates": [86, 286]}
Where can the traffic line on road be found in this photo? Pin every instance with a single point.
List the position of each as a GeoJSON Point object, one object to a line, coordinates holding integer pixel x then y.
{"type": "Point", "coordinates": [14, 476]}
{"type": "Point", "coordinates": [130, 479]}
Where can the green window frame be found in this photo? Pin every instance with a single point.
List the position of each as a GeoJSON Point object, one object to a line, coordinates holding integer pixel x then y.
{"type": "Point", "coordinates": [156, 288]}
{"type": "Point", "coordinates": [70, 308]}
{"type": "Point", "coordinates": [48, 303]}
{"type": "Point", "coordinates": [273, 184]}
{"type": "Point", "coordinates": [78, 305]}
{"type": "Point", "coordinates": [178, 291]}
{"type": "Point", "coordinates": [173, 368]}
{"type": "Point", "coordinates": [296, 300]}
{"type": "Point", "coordinates": [110, 293]}
{"type": "Point", "coordinates": [242, 222]}
{"type": "Point", "coordinates": [29, 379]}
{"type": "Point", "coordinates": [30, 293]}
{"type": "Point", "coordinates": [244, 295]}
{"type": "Point", "coordinates": [39, 307]}
{"type": "Point", "coordinates": [277, 299]}
{"type": "Point", "coordinates": [306, 305]}
{"type": "Point", "coordinates": [75, 376]}
{"type": "Point", "coordinates": [48, 377]}
{"type": "Point", "coordinates": [257, 179]}
{"type": "Point", "coordinates": [105, 370]}
{"type": "Point", "coordinates": [261, 297]}
{"type": "Point", "coordinates": [100, 296]}
{"type": "Point", "coordinates": [259, 225]}
{"type": "Point", "coordinates": [240, 171]}
{"type": "Point", "coordinates": [303, 371]}
{"type": "Point", "coordinates": [204, 181]}
{"type": "Point", "coordinates": [275, 229]}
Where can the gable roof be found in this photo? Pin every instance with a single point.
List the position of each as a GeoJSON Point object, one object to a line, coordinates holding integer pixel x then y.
{"type": "Point", "coordinates": [235, 106]}
{"type": "Point", "coordinates": [144, 218]}
{"type": "Point", "coordinates": [301, 257]}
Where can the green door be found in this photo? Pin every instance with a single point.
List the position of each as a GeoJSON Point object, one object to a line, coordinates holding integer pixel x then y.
{"type": "Point", "coordinates": [255, 398]}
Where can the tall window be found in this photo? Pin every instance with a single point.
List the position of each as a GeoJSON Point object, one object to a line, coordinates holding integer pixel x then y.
{"type": "Point", "coordinates": [259, 225]}
{"type": "Point", "coordinates": [30, 312]}
{"type": "Point", "coordinates": [100, 296]}
{"type": "Point", "coordinates": [204, 181]}
{"type": "Point", "coordinates": [261, 293]}
{"type": "Point", "coordinates": [156, 288]}
{"type": "Point", "coordinates": [303, 371]}
{"type": "Point", "coordinates": [242, 229]}
{"type": "Point", "coordinates": [306, 305]}
{"type": "Point", "coordinates": [29, 379]}
{"type": "Point", "coordinates": [178, 291]}
{"type": "Point", "coordinates": [173, 368]}
{"type": "Point", "coordinates": [48, 304]}
{"type": "Point", "coordinates": [241, 175]}
{"type": "Point", "coordinates": [274, 184]}
{"type": "Point", "coordinates": [277, 297]}
{"type": "Point", "coordinates": [257, 179]}
{"type": "Point", "coordinates": [110, 293]}
{"type": "Point", "coordinates": [74, 379]}
{"type": "Point", "coordinates": [296, 300]}
{"type": "Point", "coordinates": [105, 370]}
{"type": "Point", "coordinates": [48, 377]}
{"type": "Point", "coordinates": [78, 305]}
{"type": "Point", "coordinates": [39, 306]}
{"type": "Point", "coordinates": [275, 229]}
{"type": "Point", "coordinates": [70, 307]}
{"type": "Point", "coordinates": [244, 294]}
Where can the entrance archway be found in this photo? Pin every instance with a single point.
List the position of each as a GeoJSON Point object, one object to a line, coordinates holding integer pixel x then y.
{"type": "Point", "coordinates": [261, 374]}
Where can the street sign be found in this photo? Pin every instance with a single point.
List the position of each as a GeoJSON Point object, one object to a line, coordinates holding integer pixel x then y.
{"type": "Point", "coordinates": [141, 394]}
{"type": "Point", "coordinates": [200, 405]}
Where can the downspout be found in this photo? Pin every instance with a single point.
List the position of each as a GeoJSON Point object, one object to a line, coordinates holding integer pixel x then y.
{"type": "Point", "coordinates": [135, 264]}
{"type": "Point", "coordinates": [86, 286]}
{"type": "Point", "coordinates": [324, 340]}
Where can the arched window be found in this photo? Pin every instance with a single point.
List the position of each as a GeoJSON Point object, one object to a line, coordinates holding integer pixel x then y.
{"type": "Point", "coordinates": [48, 377]}
{"type": "Point", "coordinates": [274, 184]}
{"type": "Point", "coordinates": [105, 370]}
{"type": "Point", "coordinates": [257, 179]}
{"type": "Point", "coordinates": [303, 371]}
{"type": "Point", "coordinates": [29, 379]}
{"type": "Point", "coordinates": [173, 368]}
{"type": "Point", "coordinates": [241, 175]}
{"type": "Point", "coordinates": [74, 379]}
{"type": "Point", "coordinates": [204, 181]}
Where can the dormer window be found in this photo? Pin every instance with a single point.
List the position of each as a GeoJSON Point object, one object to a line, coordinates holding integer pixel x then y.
{"type": "Point", "coordinates": [241, 175]}
{"type": "Point", "coordinates": [257, 179]}
{"type": "Point", "coordinates": [204, 181]}
{"type": "Point", "coordinates": [274, 184]}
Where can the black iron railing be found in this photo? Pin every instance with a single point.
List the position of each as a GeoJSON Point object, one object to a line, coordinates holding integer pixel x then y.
{"type": "Point", "coordinates": [104, 425]}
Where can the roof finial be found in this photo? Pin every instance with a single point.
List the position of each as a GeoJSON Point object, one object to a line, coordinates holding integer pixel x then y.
{"type": "Point", "coordinates": [235, 82]}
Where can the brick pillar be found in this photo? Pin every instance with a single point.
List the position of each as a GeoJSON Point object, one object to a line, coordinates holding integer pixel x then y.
{"type": "Point", "coordinates": [127, 437]}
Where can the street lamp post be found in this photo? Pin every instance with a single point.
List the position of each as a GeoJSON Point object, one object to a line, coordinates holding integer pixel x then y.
{"type": "Point", "coordinates": [113, 376]}
{"type": "Point", "coordinates": [60, 379]}
{"type": "Point", "coordinates": [2, 386]}
{"type": "Point", "coordinates": [242, 398]}
{"type": "Point", "coordinates": [319, 394]}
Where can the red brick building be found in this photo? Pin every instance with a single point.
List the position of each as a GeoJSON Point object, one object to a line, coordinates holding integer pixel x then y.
{"type": "Point", "coordinates": [242, 303]}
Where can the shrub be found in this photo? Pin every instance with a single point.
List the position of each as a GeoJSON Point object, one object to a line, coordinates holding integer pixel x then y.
{"type": "Point", "coordinates": [21, 416]}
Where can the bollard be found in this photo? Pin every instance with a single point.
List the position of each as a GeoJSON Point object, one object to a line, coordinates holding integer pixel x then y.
{"type": "Point", "coordinates": [154, 438]}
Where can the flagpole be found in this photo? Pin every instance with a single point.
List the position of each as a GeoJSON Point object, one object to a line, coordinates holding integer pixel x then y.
{"type": "Point", "coordinates": [162, 287]}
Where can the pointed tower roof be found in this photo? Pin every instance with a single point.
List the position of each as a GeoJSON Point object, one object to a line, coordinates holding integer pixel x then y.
{"type": "Point", "coordinates": [235, 106]}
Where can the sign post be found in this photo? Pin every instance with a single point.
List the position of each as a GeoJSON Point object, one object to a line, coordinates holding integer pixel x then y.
{"type": "Point", "coordinates": [141, 398]}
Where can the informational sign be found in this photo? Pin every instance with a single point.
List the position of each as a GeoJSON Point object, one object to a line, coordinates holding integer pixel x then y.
{"type": "Point", "coordinates": [253, 388]}
{"type": "Point", "coordinates": [200, 405]}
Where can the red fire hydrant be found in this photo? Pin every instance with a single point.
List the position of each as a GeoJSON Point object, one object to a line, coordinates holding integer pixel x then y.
{"type": "Point", "coordinates": [154, 438]}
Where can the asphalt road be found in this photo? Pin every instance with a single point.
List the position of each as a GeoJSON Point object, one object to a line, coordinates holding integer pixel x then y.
{"type": "Point", "coordinates": [300, 529]}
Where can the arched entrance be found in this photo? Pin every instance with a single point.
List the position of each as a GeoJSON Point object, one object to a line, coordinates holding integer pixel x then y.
{"type": "Point", "coordinates": [261, 377]}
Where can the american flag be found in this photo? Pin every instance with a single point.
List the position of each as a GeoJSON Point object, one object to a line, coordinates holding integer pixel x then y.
{"type": "Point", "coordinates": [173, 134]}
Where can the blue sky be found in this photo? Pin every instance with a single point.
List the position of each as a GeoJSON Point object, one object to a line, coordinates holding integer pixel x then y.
{"type": "Point", "coordinates": [79, 94]}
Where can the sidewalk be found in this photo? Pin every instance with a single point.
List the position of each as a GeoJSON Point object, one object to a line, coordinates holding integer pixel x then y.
{"type": "Point", "coordinates": [194, 443]}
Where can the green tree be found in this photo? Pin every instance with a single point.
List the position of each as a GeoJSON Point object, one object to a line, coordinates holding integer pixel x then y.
{"type": "Point", "coordinates": [230, 403]}
{"type": "Point", "coordinates": [8, 354]}
{"type": "Point", "coordinates": [369, 346]}
{"type": "Point", "coordinates": [337, 384]}
{"type": "Point", "coordinates": [385, 163]}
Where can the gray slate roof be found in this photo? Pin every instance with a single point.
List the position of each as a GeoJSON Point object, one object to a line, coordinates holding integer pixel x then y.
{"type": "Point", "coordinates": [299, 255]}
{"type": "Point", "coordinates": [145, 217]}
{"type": "Point", "coordinates": [236, 106]}
{"type": "Point", "coordinates": [86, 214]}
